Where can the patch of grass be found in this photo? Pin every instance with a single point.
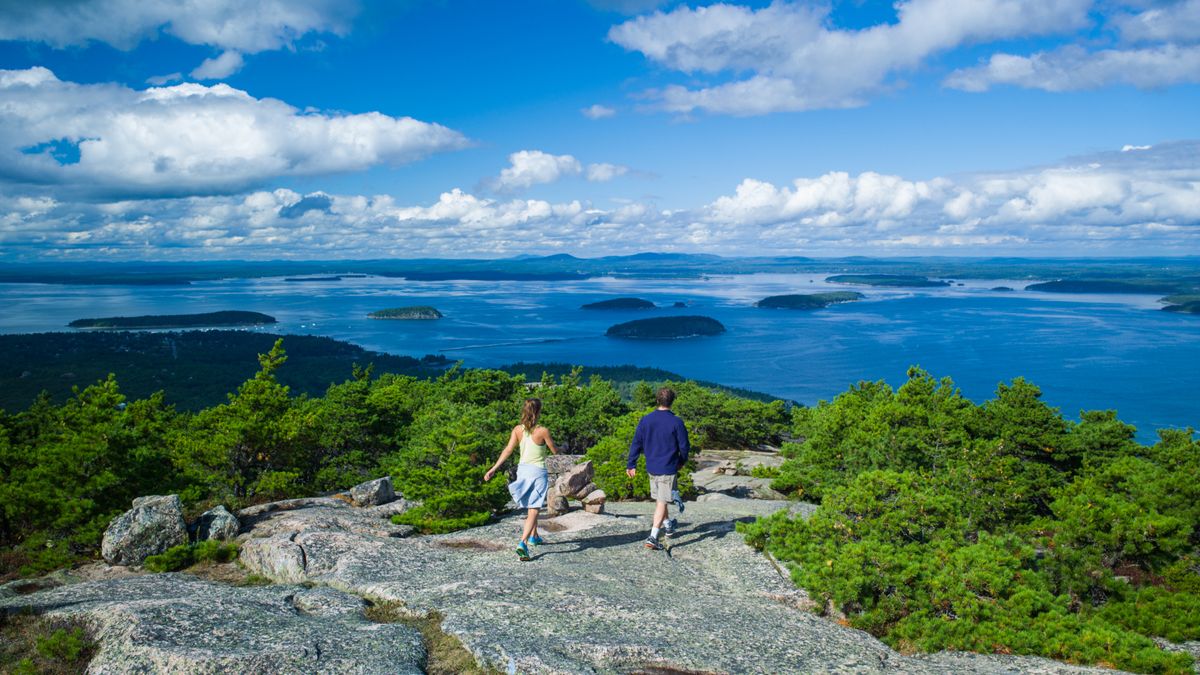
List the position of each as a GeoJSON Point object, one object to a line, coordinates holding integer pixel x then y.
{"type": "Point", "coordinates": [445, 654]}
{"type": "Point", "coordinates": [186, 555]}
{"type": "Point", "coordinates": [31, 644]}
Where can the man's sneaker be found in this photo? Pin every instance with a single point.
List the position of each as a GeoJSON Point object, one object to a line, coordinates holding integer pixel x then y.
{"type": "Point", "coordinates": [536, 540]}
{"type": "Point", "coordinates": [678, 499]}
{"type": "Point", "coordinates": [523, 551]}
{"type": "Point", "coordinates": [653, 545]}
{"type": "Point", "coordinates": [668, 527]}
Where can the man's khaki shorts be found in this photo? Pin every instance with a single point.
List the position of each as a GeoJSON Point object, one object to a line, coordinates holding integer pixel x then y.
{"type": "Point", "coordinates": [661, 486]}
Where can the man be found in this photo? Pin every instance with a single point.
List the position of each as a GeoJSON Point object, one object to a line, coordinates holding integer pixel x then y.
{"type": "Point", "coordinates": [662, 437]}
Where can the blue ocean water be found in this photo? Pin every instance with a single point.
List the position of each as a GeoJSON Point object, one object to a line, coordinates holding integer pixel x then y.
{"type": "Point", "coordinates": [1084, 351]}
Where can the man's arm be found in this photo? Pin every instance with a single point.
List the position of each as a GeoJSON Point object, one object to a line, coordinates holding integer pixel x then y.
{"type": "Point", "coordinates": [637, 446]}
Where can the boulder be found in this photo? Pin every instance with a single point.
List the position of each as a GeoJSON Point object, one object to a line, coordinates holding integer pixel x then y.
{"type": "Point", "coordinates": [571, 482]}
{"type": "Point", "coordinates": [373, 492]}
{"type": "Point", "coordinates": [557, 465]}
{"type": "Point", "coordinates": [594, 501]}
{"type": "Point", "coordinates": [556, 504]}
{"type": "Point", "coordinates": [153, 525]}
{"type": "Point", "coordinates": [216, 523]}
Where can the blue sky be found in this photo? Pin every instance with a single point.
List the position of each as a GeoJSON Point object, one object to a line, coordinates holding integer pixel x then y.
{"type": "Point", "coordinates": [159, 129]}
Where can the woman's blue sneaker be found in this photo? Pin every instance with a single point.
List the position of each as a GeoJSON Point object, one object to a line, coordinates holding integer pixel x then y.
{"type": "Point", "coordinates": [536, 540]}
{"type": "Point", "coordinates": [523, 551]}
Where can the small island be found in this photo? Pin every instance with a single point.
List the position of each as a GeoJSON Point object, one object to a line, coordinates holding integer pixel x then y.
{"type": "Point", "coordinates": [887, 280]}
{"type": "Point", "coordinates": [667, 328]}
{"type": "Point", "coordinates": [206, 319]}
{"type": "Point", "coordinates": [620, 303]}
{"type": "Point", "coordinates": [1002, 289]}
{"type": "Point", "coordinates": [413, 313]}
{"type": "Point", "coordinates": [1103, 286]}
{"type": "Point", "coordinates": [808, 300]}
{"type": "Point", "coordinates": [679, 303]}
{"type": "Point", "coordinates": [305, 279]}
{"type": "Point", "coordinates": [1182, 304]}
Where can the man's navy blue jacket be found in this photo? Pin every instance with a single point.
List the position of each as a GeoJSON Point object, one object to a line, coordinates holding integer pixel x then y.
{"type": "Point", "coordinates": [664, 440]}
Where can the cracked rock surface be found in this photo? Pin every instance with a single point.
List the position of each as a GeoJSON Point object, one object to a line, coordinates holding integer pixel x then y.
{"type": "Point", "coordinates": [180, 624]}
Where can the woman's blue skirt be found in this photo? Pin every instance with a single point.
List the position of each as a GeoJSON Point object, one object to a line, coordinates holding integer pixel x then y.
{"type": "Point", "coordinates": [530, 487]}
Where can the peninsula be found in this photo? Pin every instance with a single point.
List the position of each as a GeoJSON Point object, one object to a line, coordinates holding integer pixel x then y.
{"type": "Point", "coordinates": [415, 312]}
{"type": "Point", "coordinates": [667, 328]}
{"type": "Point", "coordinates": [808, 300]}
{"type": "Point", "coordinates": [1104, 286]}
{"type": "Point", "coordinates": [206, 319]}
{"type": "Point", "coordinates": [620, 303]}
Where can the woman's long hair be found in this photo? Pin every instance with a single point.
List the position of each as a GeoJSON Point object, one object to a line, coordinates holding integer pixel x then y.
{"type": "Point", "coordinates": [530, 413]}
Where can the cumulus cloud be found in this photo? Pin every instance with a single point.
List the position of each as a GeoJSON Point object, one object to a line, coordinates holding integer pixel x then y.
{"type": "Point", "coordinates": [532, 167]}
{"type": "Point", "coordinates": [786, 57]}
{"type": "Point", "coordinates": [600, 173]}
{"type": "Point", "coordinates": [598, 112]}
{"type": "Point", "coordinates": [219, 67]}
{"type": "Point", "coordinates": [111, 140]}
{"type": "Point", "coordinates": [1156, 47]}
{"type": "Point", "coordinates": [247, 27]}
{"type": "Point", "coordinates": [234, 26]}
{"type": "Point", "coordinates": [1110, 203]}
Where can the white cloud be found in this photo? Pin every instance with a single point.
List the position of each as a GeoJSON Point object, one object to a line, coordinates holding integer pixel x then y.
{"type": "Point", "coordinates": [597, 111]}
{"type": "Point", "coordinates": [1074, 68]}
{"type": "Point", "coordinates": [532, 167]}
{"type": "Point", "coordinates": [107, 139]}
{"type": "Point", "coordinates": [795, 61]}
{"type": "Point", "coordinates": [247, 27]}
{"type": "Point", "coordinates": [600, 173]}
{"type": "Point", "coordinates": [1157, 47]}
{"type": "Point", "coordinates": [219, 67]}
{"type": "Point", "coordinates": [1116, 203]}
{"type": "Point", "coordinates": [160, 80]}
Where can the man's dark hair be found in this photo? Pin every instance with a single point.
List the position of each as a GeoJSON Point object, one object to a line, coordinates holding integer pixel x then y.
{"type": "Point", "coordinates": [665, 397]}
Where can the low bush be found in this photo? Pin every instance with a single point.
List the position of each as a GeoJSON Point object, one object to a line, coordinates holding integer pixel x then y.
{"type": "Point", "coordinates": [184, 556]}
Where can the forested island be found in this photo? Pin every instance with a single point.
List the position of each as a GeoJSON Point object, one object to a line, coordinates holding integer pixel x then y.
{"type": "Point", "coordinates": [1002, 289]}
{"type": "Point", "coordinates": [886, 280]}
{"type": "Point", "coordinates": [1182, 304]}
{"type": "Point", "coordinates": [667, 327]}
{"type": "Point", "coordinates": [306, 279]}
{"type": "Point", "coordinates": [808, 300]}
{"type": "Point", "coordinates": [1106, 286]}
{"type": "Point", "coordinates": [414, 312]}
{"type": "Point", "coordinates": [205, 319]}
{"type": "Point", "coordinates": [620, 303]}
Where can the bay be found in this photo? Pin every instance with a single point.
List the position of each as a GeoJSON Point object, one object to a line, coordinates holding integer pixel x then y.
{"type": "Point", "coordinates": [1084, 351]}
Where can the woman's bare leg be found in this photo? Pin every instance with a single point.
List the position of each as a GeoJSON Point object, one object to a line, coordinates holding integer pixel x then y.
{"type": "Point", "coordinates": [530, 525]}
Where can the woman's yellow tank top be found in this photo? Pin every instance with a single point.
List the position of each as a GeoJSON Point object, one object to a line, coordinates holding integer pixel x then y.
{"type": "Point", "coordinates": [532, 453]}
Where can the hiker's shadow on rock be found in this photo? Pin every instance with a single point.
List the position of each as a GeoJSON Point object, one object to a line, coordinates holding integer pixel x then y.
{"type": "Point", "coordinates": [713, 530]}
{"type": "Point", "coordinates": [603, 541]}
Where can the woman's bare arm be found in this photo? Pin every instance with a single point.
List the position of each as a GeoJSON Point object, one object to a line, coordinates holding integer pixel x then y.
{"type": "Point", "coordinates": [504, 454]}
{"type": "Point", "coordinates": [550, 441]}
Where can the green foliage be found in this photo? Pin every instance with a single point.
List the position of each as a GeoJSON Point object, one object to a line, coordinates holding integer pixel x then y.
{"type": "Point", "coordinates": [997, 527]}
{"type": "Point", "coordinates": [185, 555]}
{"type": "Point", "coordinates": [579, 414]}
{"type": "Point", "coordinates": [31, 645]}
{"type": "Point", "coordinates": [718, 420]}
{"type": "Point", "coordinates": [63, 645]}
{"type": "Point", "coordinates": [444, 464]}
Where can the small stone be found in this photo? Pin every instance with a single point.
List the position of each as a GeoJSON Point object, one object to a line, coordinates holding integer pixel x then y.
{"type": "Point", "coordinates": [585, 491]}
{"type": "Point", "coordinates": [373, 492]}
{"type": "Point", "coordinates": [217, 523]}
{"type": "Point", "coordinates": [153, 525]}
{"type": "Point", "coordinates": [556, 504]}
{"type": "Point", "coordinates": [595, 497]}
{"type": "Point", "coordinates": [594, 508]}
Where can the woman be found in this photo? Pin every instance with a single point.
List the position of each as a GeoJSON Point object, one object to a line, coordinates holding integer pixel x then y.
{"type": "Point", "coordinates": [530, 487]}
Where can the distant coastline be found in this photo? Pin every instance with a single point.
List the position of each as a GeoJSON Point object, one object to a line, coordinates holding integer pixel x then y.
{"type": "Point", "coordinates": [886, 280]}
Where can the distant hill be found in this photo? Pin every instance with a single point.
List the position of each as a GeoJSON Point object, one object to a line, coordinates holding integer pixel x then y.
{"type": "Point", "coordinates": [206, 319]}
{"type": "Point", "coordinates": [196, 369]}
{"type": "Point", "coordinates": [900, 280]}
{"type": "Point", "coordinates": [620, 303]}
{"type": "Point", "coordinates": [808, 301]}
{"type": "Point", "coordinates": [415, 312]}
{"type": "Point", "coordinates": [667, 327]}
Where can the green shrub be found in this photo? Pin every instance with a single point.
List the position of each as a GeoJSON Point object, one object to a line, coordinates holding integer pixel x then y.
{"type": "Point", "coordinates": [762, 471]}
{"type": "Point", "coordinates": [185, 555]}
{"type": "Point", "coordinates": [64, 645]}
